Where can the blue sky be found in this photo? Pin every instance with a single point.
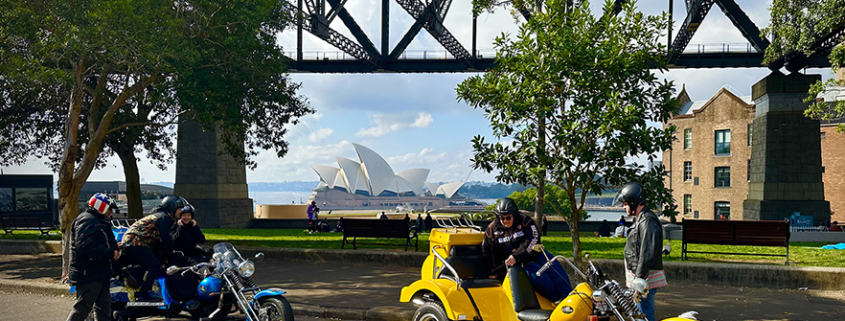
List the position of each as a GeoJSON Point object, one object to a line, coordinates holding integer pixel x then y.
{"type": "Point", "coordinates": [413, 120]}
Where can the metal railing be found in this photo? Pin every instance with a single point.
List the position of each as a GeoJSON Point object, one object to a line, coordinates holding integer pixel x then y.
{"type": "Point", "coordinates": [489, 53]}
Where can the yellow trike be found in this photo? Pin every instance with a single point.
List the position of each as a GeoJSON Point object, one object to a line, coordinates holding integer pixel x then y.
{"type": "Point", "coordinates": [455, 285]}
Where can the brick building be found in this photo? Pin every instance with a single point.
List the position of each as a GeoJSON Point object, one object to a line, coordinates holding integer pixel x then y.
{"type": "Point", "coordinates": [709, 164]}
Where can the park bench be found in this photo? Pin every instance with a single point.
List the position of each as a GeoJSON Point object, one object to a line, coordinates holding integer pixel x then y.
{"type": "Point", "coordinates": [755, 233]}
{"type": "Point", "coordinates": [399, 229]}
{"type": "Point", "coordinates": [11, 224]}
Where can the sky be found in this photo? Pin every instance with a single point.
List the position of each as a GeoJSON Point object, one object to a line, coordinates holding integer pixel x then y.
{"type": "Point", "coordinates": [414, 120]}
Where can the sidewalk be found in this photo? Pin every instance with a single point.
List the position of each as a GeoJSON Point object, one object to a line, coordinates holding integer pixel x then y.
{"type": "Point", "coordinates": [371, 292]}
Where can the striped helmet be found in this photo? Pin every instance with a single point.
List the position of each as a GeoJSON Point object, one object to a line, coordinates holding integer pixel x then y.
{"type": "Point", "coordinates": [102, 202]}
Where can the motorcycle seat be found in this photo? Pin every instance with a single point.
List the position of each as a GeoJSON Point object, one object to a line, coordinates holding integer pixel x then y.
{"type": "Point", "coordinates": [534, 315]}
{"type": "Point", "coordinates": [525, 302]}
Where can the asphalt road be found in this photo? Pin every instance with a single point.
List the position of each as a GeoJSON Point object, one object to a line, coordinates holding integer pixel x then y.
{"type": "Point", "coordinates": [17, 307]}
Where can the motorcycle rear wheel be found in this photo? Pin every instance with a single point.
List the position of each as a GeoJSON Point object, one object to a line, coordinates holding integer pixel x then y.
{"type": "Point", "coordinates": [275, 309]}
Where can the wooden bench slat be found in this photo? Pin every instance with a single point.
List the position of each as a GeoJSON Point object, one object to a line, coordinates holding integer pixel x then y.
{"type": "Point", "coordinates": [354, 228]}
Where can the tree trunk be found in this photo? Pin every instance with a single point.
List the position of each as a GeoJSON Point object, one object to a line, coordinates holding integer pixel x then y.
{"type": "Point", "coordinates": [133, 181]}
{"type": "Point", "coordinates": [68, 210]}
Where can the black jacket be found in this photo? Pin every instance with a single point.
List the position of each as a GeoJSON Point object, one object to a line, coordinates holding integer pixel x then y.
{"type": "Point", "coordinates": [186, 237]}
{"type": "Point", "coordinates": [501, 242]}
{"type": "Point", "coordinates": [644, 246]}
{"type": "Point", "coordinates": [92, 248]}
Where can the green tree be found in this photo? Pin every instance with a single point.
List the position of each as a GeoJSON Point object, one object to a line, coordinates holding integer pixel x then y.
{"type": "Point", "coordinates": [555, 201]}
{"type": "Point", "coordinates": [795, 27]}
{"type": "Point", "coordinates": [589, 77]}
{"type": "Point", "coordinates": [75, 74]}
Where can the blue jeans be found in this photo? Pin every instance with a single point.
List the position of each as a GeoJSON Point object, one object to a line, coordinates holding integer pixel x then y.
{"type": "Point", "coordinates": [554, 283]}
{"type": "Point", "coordinates": [647, 305]}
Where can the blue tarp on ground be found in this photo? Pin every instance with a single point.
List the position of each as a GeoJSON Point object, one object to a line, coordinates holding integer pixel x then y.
{"type": "Point", "coordinates": [840, 246]}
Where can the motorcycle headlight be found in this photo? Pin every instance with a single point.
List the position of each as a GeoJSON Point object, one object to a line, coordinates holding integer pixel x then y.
{"type": "Point", "coordinates": [247, 268]}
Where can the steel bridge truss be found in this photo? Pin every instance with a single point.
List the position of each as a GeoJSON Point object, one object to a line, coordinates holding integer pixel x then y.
{"type": "Point", "coordinates": [311, 16]}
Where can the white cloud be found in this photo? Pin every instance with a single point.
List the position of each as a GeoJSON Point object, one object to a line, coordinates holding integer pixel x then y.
{"type": "Point", "coordinates": [320, 134]}
{"type": "Point", "coordinates": [386, 123]}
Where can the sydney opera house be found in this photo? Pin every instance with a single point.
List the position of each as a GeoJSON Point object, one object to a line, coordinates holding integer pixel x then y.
{"type": "Point", "coordinates": [371, 184]}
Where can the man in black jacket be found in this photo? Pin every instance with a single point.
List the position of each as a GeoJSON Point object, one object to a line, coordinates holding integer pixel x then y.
{"type": "Point", "coordinates": [643, 249]}
{"type": "Point", "coordinates": [187, 235]}
{"type": "Point", "coordinates": [93, 248]}
{"type": "Point", "coordinates": [148, 243]}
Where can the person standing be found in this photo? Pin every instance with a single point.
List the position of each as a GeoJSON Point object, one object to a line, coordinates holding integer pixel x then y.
{"type": "Point", "coordinates": [428, 222]}
{"type": "Point", "coordinates": [420, 226]}
{"type": "Point", "coordinates": [643, 248]}
{"type": "Point", "coordinates": [93, 248]}
{"type": "Point", "coordinates": [312, 212]}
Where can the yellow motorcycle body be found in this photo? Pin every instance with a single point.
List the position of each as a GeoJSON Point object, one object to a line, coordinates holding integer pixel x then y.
{"type": "Point", "coordinates": [463, 295]}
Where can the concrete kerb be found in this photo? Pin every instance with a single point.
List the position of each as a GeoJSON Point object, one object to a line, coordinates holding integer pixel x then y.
{"type": "Point", "coordinates": [732, 274]}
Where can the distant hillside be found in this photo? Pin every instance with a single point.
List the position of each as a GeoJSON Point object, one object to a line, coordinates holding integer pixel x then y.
{"type": "Point", "coordinates": [496, 190]}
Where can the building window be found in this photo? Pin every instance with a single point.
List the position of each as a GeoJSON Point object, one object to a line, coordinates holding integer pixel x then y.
{"type": "Point", "coordinates": [723, 142]}
{"type": "Point", "coordinates": [748, 171]}
{"type": "Point", "coordinates": [749, 134]}
{"type": "Point", "coordinates": [822, 135]}
{"type": "Point", "coordinates": [687, 171]}
{"type": "Point", "coordinates": [723, 177]}
{"type": "Point", "coordinates": [31, 199]}
{"type": "Point", "coordinates": [723, 211]}
{"type": "Point", "coordinates": [687, 138]}
{"type": "Point", "coordinates": [6, 202]}
{"type": "Point", "coordinates": [687, 204]}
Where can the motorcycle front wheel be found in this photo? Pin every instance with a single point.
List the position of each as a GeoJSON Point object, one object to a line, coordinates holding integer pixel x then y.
{"type": "Point", "coordinates": [275, 309]}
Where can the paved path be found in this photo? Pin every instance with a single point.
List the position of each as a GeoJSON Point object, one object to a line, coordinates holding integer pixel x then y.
{"type": "Point", "coordinates": [57, 308]}
{"type": "Point", "coordinates": [376, 287]}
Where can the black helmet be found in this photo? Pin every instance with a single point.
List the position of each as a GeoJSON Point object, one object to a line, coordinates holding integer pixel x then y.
{"type": "Point", "coordinates": [171, 203]}
{"type": "Point", "coordinates": [188, 209]}
{"type": "Point", "coordinates": [632, 193]}
{"type": "Point", "coordinates": [506, 206]}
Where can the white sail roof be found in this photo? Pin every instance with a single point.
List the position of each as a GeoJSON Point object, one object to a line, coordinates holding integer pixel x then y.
{"type": "Point", "coordinates": [416, 179]}
{"type": "Point", "coordinates": [432, 187]}
{"type": "Point", "coordinates": [353, 175]}
{"type": "Point", "coordinates": [328, 174]}
{"type": "Point", "coordinates": [376, 168]}
{"type": "Point", "coordinates": [449, 189]}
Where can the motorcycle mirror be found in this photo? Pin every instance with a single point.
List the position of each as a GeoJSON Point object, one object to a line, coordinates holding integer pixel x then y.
{"type": "Point", "coordinates": [259, 257]}
{"type": "Point", "coordinates": [538, 248]}
{"type": "Point", "coordinates": [587, 256]}
{"type": "Point", "coordinates": [171, 270]}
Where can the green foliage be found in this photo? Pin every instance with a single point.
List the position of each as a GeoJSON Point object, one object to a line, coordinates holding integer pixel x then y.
{"type": "Point", "coordinates": [585, 83]}
{"type": "Point", "coordinates": [555, 201]}
{"type": "Point", "coordinates": [795, 27]}
{"type": "Point", "coordinates": [142, 64]}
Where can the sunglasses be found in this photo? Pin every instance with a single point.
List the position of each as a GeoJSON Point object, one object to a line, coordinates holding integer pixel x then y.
{"type": "Point", "coordinates": [506, 218]}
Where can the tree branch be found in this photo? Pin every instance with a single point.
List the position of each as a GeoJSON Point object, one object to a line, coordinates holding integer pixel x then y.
{"type": "Point", "coordinates": [173, 121]}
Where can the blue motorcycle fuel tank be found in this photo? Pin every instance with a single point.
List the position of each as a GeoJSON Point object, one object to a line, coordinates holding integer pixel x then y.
{"type": "Point", "coordinates": [209, 289]}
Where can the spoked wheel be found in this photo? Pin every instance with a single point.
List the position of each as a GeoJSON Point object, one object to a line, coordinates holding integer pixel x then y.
{"type": "Point", "coordinates": [275, 309]}
{"type": "Point", "coordinates": [431, 311]}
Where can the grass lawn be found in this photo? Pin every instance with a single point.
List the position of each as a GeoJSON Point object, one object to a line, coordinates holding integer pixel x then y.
{"type": "Point", "coordinates": [801, 253]}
